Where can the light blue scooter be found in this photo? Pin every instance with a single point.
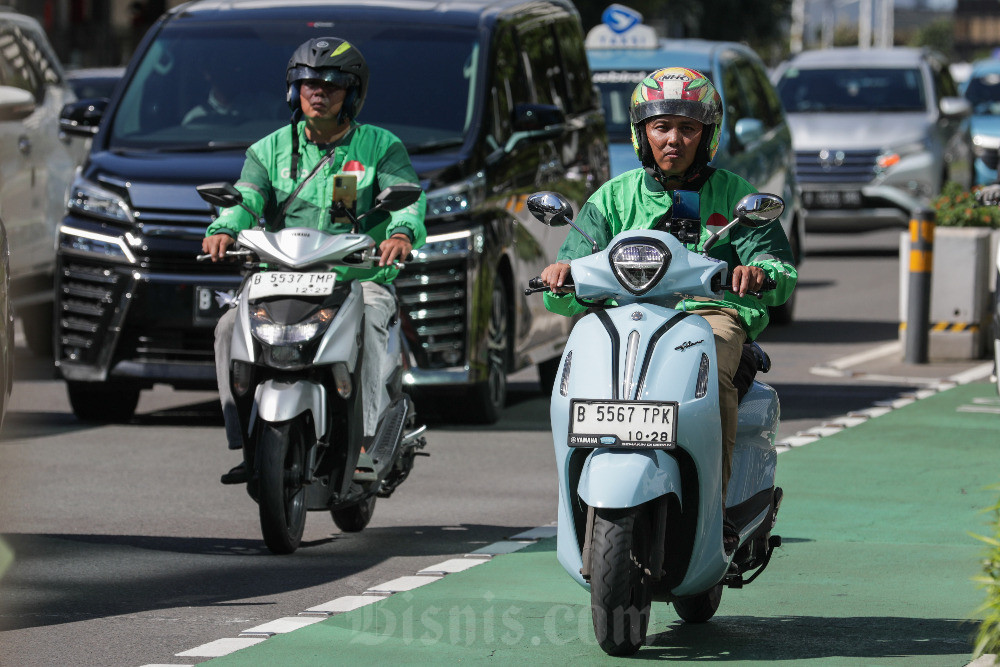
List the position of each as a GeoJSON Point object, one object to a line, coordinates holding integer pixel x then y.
{"type": "Point", "coordinates": [637, 434]}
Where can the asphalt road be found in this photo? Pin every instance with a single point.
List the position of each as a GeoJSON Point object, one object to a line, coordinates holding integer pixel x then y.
{"type": "Point", "coordinates": [127, 550]}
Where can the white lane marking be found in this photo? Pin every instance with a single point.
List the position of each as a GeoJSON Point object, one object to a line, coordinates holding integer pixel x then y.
{"type": "Point", "coordinates": [220, 647]}
{"type": "Point", "coordinates": [401, 584]}
{"type": "Point", "coordinates": [280, 626]}
{"type": "Point", "coordinates": [452, 566]}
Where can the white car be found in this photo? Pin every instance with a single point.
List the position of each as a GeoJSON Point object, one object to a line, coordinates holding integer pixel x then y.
{"type": "Point", "coordinates": [36, 167]}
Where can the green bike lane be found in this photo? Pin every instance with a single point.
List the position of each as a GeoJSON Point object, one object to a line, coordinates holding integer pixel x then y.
{"type": "Point", "coordinates": [876, 568]}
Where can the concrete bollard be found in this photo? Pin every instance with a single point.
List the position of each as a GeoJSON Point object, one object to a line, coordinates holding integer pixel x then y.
{"type": "Point", "coordinates": [919, 296]}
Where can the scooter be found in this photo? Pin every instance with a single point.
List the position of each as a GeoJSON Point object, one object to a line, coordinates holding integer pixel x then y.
{"type": "Point", "coordinates": [295, 371]}
{"type": "Point", "coordinates": [638, 438]}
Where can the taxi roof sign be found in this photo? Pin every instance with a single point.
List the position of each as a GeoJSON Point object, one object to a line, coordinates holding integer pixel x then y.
{"type": "Point", "coordinates": [621, 28]}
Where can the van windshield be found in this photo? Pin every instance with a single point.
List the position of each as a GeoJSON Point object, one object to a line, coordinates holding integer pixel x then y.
{"type": "Point", "coordinates": [984, 94]}
{"type": "Point", "coordinates": [616, 88]}
{"type": "Point", "coordinates": [851, 90]}
{"type": "Point", "coordinates": [205, 87]}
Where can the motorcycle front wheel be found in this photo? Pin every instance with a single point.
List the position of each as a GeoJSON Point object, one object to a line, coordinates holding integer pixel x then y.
{"type": "Point", "coordinates": [619, 595]}
{"type": "Point", "coordinates": [281, 450]}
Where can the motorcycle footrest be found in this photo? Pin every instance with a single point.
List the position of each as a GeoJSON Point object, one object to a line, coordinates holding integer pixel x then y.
{"type": "Point", "coordinates": [387, 437]}
{"type": "Point", "coordinates": [734, 578]}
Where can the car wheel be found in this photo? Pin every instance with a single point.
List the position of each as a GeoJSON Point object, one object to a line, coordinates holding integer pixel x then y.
{"type": "Point", "coordinates": [488, 398]}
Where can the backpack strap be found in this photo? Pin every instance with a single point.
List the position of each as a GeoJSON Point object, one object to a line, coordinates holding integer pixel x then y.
{"type": "Point", "coordinates": [279, 223]}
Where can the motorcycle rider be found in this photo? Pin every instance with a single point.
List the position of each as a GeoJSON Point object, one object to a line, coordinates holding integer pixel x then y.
{"type": "Point", "coordinates": [676, 121]}
{"type": "Point", "coordinates": [288, 178]}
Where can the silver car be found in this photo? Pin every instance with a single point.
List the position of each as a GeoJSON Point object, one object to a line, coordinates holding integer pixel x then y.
{"type": "Point", "coordinates": [876, 133]}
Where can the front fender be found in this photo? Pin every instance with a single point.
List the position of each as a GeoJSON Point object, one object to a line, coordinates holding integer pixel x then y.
{"type": "Point", "coordinates": [277, 402]}
{"type": "Point", "coordinates": [627, 478]}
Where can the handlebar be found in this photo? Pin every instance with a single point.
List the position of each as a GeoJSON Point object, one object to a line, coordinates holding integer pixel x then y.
{"type": "Point", "coordinates": [536, 285]}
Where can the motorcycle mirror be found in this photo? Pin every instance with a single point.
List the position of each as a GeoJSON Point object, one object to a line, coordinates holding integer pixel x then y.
{"type": "Point", "coordinates": [397, 197]}
{"type": "Point", "coordinates": [223, 195]}
{"type": "Point", "coordinates": [550, 208]}
{"type": "Point", "coordinates": [758, 210]}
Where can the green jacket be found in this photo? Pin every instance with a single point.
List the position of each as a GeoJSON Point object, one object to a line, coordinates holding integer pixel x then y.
{"type": "Point", "coordinates": [376, 156]}
{"type": "Point", "coordinates": [635, 200]}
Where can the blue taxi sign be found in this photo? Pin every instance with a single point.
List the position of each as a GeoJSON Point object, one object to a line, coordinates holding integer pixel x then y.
{"type": "Point", "coordinates": [621, 28]}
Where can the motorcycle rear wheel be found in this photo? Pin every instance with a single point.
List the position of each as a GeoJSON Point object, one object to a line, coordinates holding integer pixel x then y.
{"type": "Point", "coordinates": [353, 519]}
{"type": "Point", "coordinates": [699, 608]}
{"type": "Point", "coordinates": [619, 596]}
{"type": "Point", "coordinates": [281, 498]}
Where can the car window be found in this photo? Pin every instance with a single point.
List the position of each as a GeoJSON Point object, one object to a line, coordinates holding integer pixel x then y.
{"type": "Point", "coordinates": [762, 100]}
{"type": "Point", "coordinates": [16, 68]}
{"type": "Point", "coordinates": [983, 94]}
{"type": "Point", "coordinates": [736, 104]}
{"type": "Point", "coordinates": [542, 64]}
{"type": "Point", "coordinates": [509, 86]}
{"type": "Point", "coordinates": [859, 89]}
{"type": "Point", "coordinates": [569, 37]}
{"type": "Point", "coordinates": [943, 83]}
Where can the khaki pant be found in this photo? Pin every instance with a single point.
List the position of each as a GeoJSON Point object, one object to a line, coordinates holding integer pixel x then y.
{"type": "Point", "coordinates": [729, 339]}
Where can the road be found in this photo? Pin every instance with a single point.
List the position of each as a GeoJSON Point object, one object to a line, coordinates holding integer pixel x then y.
{"type": "Point", "coordinates": [128, 550]}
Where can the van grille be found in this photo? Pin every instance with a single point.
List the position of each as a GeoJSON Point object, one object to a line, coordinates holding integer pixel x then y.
{"type": "Point", "coordinates": [89, 295]}
{"type": "Point", "coordinates": [835, 166]}
{"type": "Point", "coordinates": [433, 296]}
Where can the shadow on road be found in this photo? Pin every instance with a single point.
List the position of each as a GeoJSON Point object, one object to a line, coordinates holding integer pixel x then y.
{"type": "Point", "coordinates": [791, 638]}
{"type": "Point", "coordinates": [147, 574]}
{"type": "Point", "coordinates": [818, 332]}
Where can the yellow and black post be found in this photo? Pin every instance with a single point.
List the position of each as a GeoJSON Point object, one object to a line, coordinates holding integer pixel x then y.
{"type": "Point", "coordinates": [918, 309]}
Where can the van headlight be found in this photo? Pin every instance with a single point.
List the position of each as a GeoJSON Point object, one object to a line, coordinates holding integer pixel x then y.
{"type": "Point", "coordinates": [102, 246]}
{"type": "Point", "coordinates": [457, 199]}
{"type": "Point", "coordinates": [892, 156]}
{"type": "Point", "coordinates": [639, 265]}
{"type": "Point", "coordinates": [94, 201]}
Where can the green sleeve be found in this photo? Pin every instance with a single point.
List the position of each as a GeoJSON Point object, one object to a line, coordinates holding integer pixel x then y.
{"type": "Point", "coordinates": [394, 167]}
{"type": "Point", "coordinates": [255, 186]}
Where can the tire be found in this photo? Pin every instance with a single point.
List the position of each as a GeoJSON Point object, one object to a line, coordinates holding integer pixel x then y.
{"type": "Point", "coordinates": [699, 608]}
{"type": "Point", "coordinates": [38, 322]}
{"type": "Point", "coordinates": [102, 402]}
{"type": "Point", "coordinates": [281, 494]}
{"type": "Point", "coordinates": [353, 519]}
{"type": "Point", "coordinates": [488, 398]}
{"type": "Point", "coordinates": [619, 596]}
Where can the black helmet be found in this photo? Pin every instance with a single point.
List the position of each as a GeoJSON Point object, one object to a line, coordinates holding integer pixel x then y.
{"type": "Point", "coordinates": [329, 59]}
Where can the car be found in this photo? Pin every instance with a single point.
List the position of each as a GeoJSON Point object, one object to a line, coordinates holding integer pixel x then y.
{"type": "Point", "coordinates": [756, 142]}
{"type": "Point", "coordinates": [94, 83]}
{"type": "Point", "coordinates": [6, 326]}
{"type": "Point", "coordinates": [982, 90]}
{"type": "Point", "coordinates": [36, 168]}
{"type": "Point", "coordinates": [877, 134]}
{"type": "Point", "coordinates": [493, 100]}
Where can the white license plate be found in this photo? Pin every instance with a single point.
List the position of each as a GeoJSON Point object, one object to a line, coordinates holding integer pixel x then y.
{"type": "Point", "coordinates": [287, 283]}
{"type": "Point", "coordinates": [634, 424]}
{"type": "Point", "coordinates": [831, 199]}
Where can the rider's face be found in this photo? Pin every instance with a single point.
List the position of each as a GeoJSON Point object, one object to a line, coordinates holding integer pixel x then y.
{"type": "Point", "coordinates": [674, 141]}
{"type": "Point", "coordinates": [321, 100]}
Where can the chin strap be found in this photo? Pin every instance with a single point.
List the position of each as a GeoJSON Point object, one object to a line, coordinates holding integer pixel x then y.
{"type": "Point", "coordinates": [294, 127]}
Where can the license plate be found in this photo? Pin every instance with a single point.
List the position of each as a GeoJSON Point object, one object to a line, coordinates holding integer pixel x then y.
{"type": "Point", "coordinates": [831, 199]}
{"type": "Point", "coordinates": [633, 424]}
{"type": "Point", "coordinates": [287, 283]}
{"type": "Point", "coordinates": [208, 304]}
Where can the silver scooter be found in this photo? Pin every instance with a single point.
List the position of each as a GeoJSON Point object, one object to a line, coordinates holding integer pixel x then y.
{"type": "Point", "coordinates": [295, 372]}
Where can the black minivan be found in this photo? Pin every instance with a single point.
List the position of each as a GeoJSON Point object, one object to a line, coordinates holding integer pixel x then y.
{"type": "Point", "coordinates": [493, 100]}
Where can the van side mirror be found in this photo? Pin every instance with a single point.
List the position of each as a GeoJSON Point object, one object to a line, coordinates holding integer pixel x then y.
{"type": "Point", "coordinates": [955, 107]}
{"type": "Point", "coordinates": [531, 122]}
{"type": "Point", "coordinates": [748, 130]}
{"type": "Point", "coordinates": [82, 118]}
{"type": "Point", "coordinates": [15, 103]}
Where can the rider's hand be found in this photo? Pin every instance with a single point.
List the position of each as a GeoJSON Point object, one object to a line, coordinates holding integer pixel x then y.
{"type": "Point", "coordinates": [989, 195]}
{"type": "Point", "coordinates": [554, 276]}
{"type": "Point", "coordinates": [748, 279]}
{"type": "Point", "coordinates": [216, 244]}
{"type": "Point", "coordinates": [396, 248]}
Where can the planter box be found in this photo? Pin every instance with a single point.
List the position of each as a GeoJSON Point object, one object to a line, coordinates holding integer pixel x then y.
{"type": "Point", "coordinates": [961, 304]}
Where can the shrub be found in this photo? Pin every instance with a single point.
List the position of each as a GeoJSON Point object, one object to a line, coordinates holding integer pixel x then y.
{"type": "Point", "coordinates": [956, 207]}
{"type": "Point", "coordinates": [988, 635]}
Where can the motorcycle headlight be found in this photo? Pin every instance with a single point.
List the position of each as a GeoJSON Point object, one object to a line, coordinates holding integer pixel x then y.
{"type": "Point", "coordinates": [639, 265]}
{"type": "Point", "coordinates": [276, 334]}
{"type": "Point", "coordinates": [91, 200]}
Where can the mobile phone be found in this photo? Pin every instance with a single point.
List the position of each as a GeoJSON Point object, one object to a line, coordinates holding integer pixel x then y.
{"type": "Point", "coordinates": [685, 219]}
{"type": "Point", "coordinates": [345, 196]}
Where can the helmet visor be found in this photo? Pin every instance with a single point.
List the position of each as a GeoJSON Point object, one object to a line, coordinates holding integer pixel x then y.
{"type": "Point", "coordinates": [330, 75]}
{"type": "Point", "coordinates": [698, 111]}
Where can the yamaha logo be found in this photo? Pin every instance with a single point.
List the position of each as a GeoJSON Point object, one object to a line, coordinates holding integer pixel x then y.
{"type": "Point", "coordinates": [830, 159]}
